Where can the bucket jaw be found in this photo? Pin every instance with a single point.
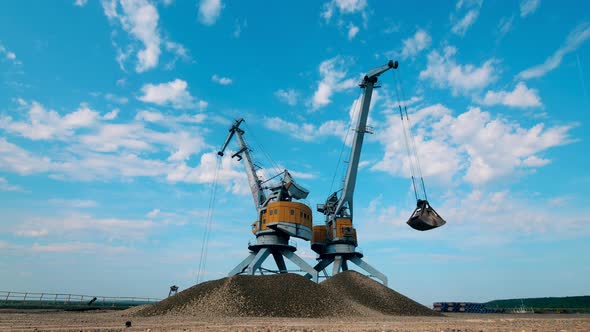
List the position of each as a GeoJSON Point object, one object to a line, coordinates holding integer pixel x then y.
{"type": "Point", "coordinates": [424, 217]}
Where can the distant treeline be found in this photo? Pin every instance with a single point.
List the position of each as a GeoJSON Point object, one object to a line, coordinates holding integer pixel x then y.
{"type": "Point", "coordinates": [568, 302]}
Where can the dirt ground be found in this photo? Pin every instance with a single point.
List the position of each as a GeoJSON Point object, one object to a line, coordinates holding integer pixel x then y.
{"type": "Point", "coordinates": [115, 321]}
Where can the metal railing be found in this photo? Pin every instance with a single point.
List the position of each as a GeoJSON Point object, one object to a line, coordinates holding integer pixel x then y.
{"type": "Point", "coordinates": [30, 299]}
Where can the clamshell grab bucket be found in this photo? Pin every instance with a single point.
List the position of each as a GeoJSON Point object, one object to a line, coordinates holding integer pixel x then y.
{"type": "Point", "coordinates": [424, 217]}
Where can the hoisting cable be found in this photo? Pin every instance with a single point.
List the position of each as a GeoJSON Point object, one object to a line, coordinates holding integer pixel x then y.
{"type": "Point", "coordinates": [209, 221]}
{"type": "Point", "coordinates": [352, 122]}
{"type": "Point", "coordinates": [412, 136]}
{"type": "Point", "coordinates": [275, 167]}
{"type": "Point", "coordinates": [406, 140]}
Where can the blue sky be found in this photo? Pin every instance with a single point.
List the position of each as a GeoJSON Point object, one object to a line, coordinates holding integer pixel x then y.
{"type": "Point", "coordinates": [111, 113]}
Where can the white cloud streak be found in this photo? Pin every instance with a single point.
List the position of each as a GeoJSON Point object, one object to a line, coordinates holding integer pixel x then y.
{"type": "Point", "coordinates": [5, 186]}
{"type": "Point", "coordinates": [574, 40]}
{"type": "Point", "coordinates": [221, 80]}
{"type": "Point", "coordinates": [528, 7]}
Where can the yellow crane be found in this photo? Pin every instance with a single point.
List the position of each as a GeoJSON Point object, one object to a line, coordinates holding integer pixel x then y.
{"type": "Point", "coordinates": [279, 216]}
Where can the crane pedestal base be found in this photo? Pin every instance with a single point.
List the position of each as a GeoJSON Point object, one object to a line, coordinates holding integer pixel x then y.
{"type": "Point", "coordinates": [340, 261]}
{"type": "Point", "coordinates": [279, 249]}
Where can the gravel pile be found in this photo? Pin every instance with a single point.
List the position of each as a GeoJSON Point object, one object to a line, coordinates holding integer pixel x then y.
{"type": "Point", "coordinates": [364, 291]}
{"type": "Point", "coordinates": [280, 295]}
{"type": "Point", "coordinates": [348, 294]}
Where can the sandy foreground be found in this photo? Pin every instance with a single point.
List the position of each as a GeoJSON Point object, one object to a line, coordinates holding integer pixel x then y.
{"type": "Point", "coordinates": [115, 321]}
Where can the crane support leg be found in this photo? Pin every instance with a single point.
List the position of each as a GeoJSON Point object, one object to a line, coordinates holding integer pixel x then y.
{"type": "Point", "coordinates": [373, 271]}
{"type": "Point", "coordinates": [311, 272]}
{"type": "Point", "coordinates": [337, 265]}
{"type": "Point", "coordinates": [344, 265]}
{"type": "Point", "coordinates": [242, 266]}
{"type": "Point", "coordinates": [257, 261]}
{"type": "Point", "coordinates": [280, 261]}
{"type": "Point", "coordinates": [322, 264]}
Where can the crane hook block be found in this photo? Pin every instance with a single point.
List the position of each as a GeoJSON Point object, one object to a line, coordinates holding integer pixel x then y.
{"type": "Point", "coordinates": [424, 217]}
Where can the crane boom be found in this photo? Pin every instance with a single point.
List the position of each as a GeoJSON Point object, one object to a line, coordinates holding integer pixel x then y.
{"type": "Point", "coordinates": [368, 84]}
{"type": "Point", "coordinates": [244, 153]}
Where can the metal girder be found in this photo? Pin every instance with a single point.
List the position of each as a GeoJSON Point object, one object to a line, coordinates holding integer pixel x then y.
{"type": "Point", "coordinates": [337, 265]}
{"type": "Point", "coordinates": [280, 261]}
{"type": "Point", "coordinates": [242, 266]}
{"type": "Point", "coordinates": [257, 261]}
{"type": "Point", "coordinates": [373, 271]}
{"type": "Point", "coordinates": [322, 264]}
{"type": "Point", "coordinates": [313, 274]}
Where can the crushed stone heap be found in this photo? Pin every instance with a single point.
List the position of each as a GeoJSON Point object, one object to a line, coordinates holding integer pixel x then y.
{"type": "Point", "coordinates": [348, 294]}
{"type": "Point", "coordinates": [364, 291]}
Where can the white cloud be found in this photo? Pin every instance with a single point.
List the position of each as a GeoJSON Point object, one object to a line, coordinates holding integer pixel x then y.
{"type": "Point", "coordinates": [173, 93]}
{"type": "Point", "coordinates": [521, 97]}
{"type": "Point", "coordinates": [139, 18]}
{"type": "Point", "coordinates": [76, 225]}
{"type": "Point", "coordinates": [221, 80]}
{"type": "Point", "coordinates": [17, 160]}
{"type": "Point", "coordinates": [11, 56]}
{"type": "Point", "coordinates": [534, 161]}
{"type": "Point", "coordinates": [230, 174]}
{"type": "Point", "coordinates": [239, 27]}
{"type": "Point", "coordinates": [79, 248]}
{"type": "Point", "coordinates": [506, 216]}
{"type": "Point", "coordinates": [116, 99]}
{"type": "Point", "coordinates": [343, 7]}
{"type": "Point", "coordinates": [80, 3]}
{"type": "Point", "coordinates": [413, 45]}
{"type": "Point", "coordinates": [528, 7]}
{"type": "Point", "coordinates": [153, 213]}
{"type": "Point", "coordinates": [209, 11]}
{"type": "Point", "coordinates": [5, 186]}
{"type": "Point", "coordinates": [101, 149]}
{"type": "Point", "coordinates": [334, 79]}
{"type": "Point", "coordinates": [48, 124]}
{"type": "Point", "coordinates": [462, 79]}
{"type": "Point", "coordinates": [306, 131]}
{"type": "Point", "coordinates": [288, 96]}
{"type": "Point", "coordinates": [74, 203]}
{"type": "Point", "coordinates": [112, 114]}
{"type": "Point", "coordinates": [576, 38]}
{"type": "Point", "coordinates": [178, 49]}
{"type": "Point", "coordinates": [468, 11]}
{"type": "Point", "coordinates": [352, 31]}
{"type": "Point", "coordinates": [472, 146]}
{"type": "Point", "coordinates": [461, 27]}
{"type": "Point", "coordinates": [32, 233]}
{"type": "Point", "coordinates": [505, 25]}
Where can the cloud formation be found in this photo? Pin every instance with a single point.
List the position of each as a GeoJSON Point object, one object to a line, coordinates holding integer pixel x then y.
{"type": "Point", "coordinates": [420, 41]}
{"type": "Point", "coordinates": [333, 79]}
{"type": "Point", "coordinates": [173, 93]}
{"type": "Point", "coordinates": [221, 80]}
{"type": "Point", "coordinates": [473, 147]}
{"type": "Point", "coordinates": [574, 40]}
{"type": "Point", "coordinates": [209, 11]}
{"type": "Point", "coordinates": [528, 7]}
{"type": "Point", "coordinates": [521, 97]}
{"type": "Point", "coordinates": [445, 72]}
